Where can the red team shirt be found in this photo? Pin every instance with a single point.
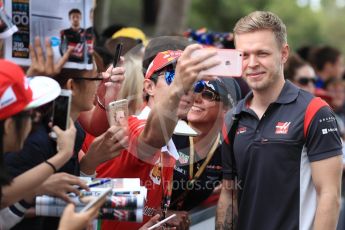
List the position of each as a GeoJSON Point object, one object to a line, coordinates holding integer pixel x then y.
{"type": "Point", "coordinates": [128, 165]}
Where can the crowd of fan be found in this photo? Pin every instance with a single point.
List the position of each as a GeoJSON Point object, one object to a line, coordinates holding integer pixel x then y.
{"type": "Point", "coordinates": [144, 147]}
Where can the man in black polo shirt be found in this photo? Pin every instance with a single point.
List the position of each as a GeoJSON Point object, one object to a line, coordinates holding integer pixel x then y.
{"type": "Point", "coordinates": [282, 165]}
{"type": "Point", "coordinates": [73, 37]}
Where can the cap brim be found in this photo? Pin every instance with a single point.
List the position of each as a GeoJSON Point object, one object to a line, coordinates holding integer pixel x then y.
{"type": "Point", "coordinates": [166, 64]}
{"type": "Point", "coordinates": [44, 90]}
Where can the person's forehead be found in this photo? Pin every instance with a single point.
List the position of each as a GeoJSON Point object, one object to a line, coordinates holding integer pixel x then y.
{"type": "Point", "coordinates": [255, 40]}
{"type": "Point", "coordinates": [306, 71]}
{"type": "Point", "coordinates": [75, 14]}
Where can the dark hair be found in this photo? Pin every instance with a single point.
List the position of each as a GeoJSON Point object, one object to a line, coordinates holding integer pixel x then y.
{"type": "Point", "coordinates": [74, 11]}
{"type": "Point", "coordinates": [65, 74]}
{"type": "Point", "coordinates": [293, 63]}
{"type": "Point", "coordinates": [322, 55]}
{"type": "Point", "coordinates": [304, 52]}
{"type": "Point", "coordinates": [5, 178]}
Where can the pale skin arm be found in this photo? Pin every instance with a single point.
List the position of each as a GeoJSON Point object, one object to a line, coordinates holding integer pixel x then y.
{"type": "Point", "coordinates": [33, 178]}
{"type": "Point", "coordinates": [227, 209]}
{"type": "Point", "coordinates": [72, 220]}
{"type": "Point", "coordinates": [326, 176]}
{"type": "Point", "coordinates": [163, 117]}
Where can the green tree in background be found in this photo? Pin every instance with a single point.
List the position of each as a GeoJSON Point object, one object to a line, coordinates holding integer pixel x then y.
{"type": "Point", "coordinates": [304, 26]}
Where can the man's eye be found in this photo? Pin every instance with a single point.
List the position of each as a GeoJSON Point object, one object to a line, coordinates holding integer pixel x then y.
{"type": "Point", "coordinates": [262, 54]}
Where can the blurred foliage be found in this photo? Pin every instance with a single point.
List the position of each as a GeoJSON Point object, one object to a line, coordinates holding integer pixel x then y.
{"type": "Point", "coordinates": [304, 26]}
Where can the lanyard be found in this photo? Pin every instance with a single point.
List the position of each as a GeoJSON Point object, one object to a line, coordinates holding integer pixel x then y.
{"type": "Point", "coordinates": [167, 189]}
{"type": "Point", "coordinates": [192, 178]}
{"type": "Point", "coordinates": [210, 154]}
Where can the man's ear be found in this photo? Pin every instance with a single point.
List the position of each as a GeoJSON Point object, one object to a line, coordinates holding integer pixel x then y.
{"type": "Point", "coordinates": [285, 53]}
{"type": "Point", "coordinates": [9, 126]}
{"type": "Point", "coordinates": [70, 84]}
{"type": "Point", "coordinates": [149, 87]}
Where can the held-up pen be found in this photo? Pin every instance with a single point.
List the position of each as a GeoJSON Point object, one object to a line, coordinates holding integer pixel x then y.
{"type": "Point", "coordinates": [97, 183]}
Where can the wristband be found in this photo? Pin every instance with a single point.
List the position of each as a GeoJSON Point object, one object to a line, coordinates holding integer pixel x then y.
{"type": "Point", "coordinates": [51, 165]}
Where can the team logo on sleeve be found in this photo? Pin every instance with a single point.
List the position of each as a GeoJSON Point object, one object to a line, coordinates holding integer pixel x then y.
{"type": "Point", "coordinates": [329, 130]}
{"type": "Point", "coordinates": [183, 159]}
{"type": "Point", "coordinates": [282, 127]}
{"type": "Point", "coordinates": [156, 172]}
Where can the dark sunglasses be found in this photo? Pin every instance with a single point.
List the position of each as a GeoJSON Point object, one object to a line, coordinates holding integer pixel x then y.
{"type": "Point", "coordinates": [210, 95]}
{"type": "Point", "coordinates": [97, 78]}
{"type": "Point", "coordinates": [305, 81]}
{"type": "Point", "coordinates": [169, 75]}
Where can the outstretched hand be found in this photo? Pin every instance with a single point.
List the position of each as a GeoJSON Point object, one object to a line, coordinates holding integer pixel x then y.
{"type": "Point", "coordinates": [72, 220]}
{"type": "Point", "coordinates": [43, 64]}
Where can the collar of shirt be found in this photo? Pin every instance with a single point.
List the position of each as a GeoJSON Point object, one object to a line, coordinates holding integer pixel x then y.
{"type": "Point", "coordinates": [288, 94]}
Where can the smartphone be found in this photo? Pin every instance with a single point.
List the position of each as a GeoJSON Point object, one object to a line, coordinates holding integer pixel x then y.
{"type": "Point", "coordinates": [96, 200]}
{"type": "Point", "coordinates": [116, 111]}
{"type": "Point", "coordinates": [230, 62]}
{"type": "Point", "coordinates": [61, 109]}
{"type": "Point", "coordinates": [117, 54]}
{"type": "Point", "coordinates": [161, 222]}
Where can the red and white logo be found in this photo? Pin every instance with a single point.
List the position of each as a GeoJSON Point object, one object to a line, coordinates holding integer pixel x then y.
{"type": "Point", "coordinates": [241, 130]}
{"type": "Point", "coordinates": [282, 127]}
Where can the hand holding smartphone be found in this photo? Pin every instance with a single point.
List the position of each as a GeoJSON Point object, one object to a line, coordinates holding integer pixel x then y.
{"type": "Point", "coordinates": [161, 222]}
{"type": "Point", "coordinates": [230, 62]}
{"type": "Point", "coordinates": [96, 200]}
{"type": "Point", "coordinates": [61, 109]}
{"type": "Point", "coordinates": [117, 111]}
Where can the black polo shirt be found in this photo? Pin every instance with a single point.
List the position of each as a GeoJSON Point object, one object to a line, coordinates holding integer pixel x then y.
{"type": "Point", "coordinates": [272, 157]}
{"type": "Point", "coordinates": [204, 186]}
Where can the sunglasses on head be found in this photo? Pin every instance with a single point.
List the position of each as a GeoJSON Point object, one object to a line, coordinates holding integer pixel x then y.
{"type": "Point", "coordinates": [306, 80]}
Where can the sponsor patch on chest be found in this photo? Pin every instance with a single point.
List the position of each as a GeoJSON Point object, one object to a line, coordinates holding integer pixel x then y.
{"type": "Point", "coordinates": [282, 127]}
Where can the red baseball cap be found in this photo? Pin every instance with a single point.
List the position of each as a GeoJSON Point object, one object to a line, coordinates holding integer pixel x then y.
{"type": "Point", "coordinates": [18, 93]}
{"type": "Point", "coordinates": [162, 60]}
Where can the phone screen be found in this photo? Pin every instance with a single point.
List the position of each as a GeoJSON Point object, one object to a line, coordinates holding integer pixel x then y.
{"type": "Point", "coordinates": [230, 62]}
{"type": "Point", "coordinates": [61, 108]}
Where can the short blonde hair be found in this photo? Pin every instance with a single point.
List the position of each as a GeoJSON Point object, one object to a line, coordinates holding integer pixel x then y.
{"type": "Point", "coordinates": [262, 20]}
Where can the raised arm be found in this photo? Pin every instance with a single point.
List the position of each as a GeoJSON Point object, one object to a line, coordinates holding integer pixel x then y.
{"type": "Point", "coordinates": [95, 121]}
{"type": "Point", "coordinates": [33, 178]}
{"type": "Point", "coordinates": [163, 116]}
